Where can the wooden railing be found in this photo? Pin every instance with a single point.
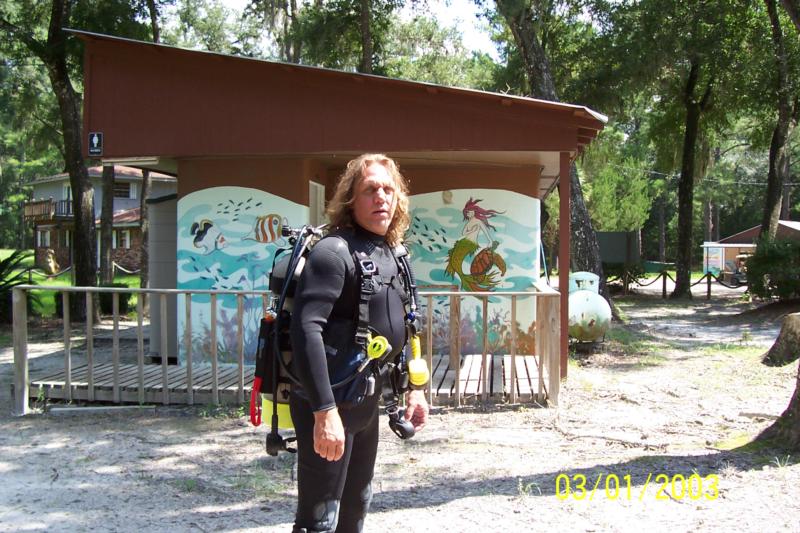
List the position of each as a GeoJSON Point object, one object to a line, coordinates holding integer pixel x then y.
{"type": "Point", "coordinates": [546, 340]}
{"type": "Point", "coordinates": [547, 333]}
{"type": "Point", "coordinates": [20, 334]}
{"type": "Point", "coordinates": [39, 210]}
{"type": "Point", "coordinates": [47, 209]}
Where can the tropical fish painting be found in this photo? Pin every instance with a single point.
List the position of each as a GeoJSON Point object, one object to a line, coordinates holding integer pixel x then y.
{"type": "Point", "coordinates": [227, 239]}
{"type": "Point", "coordinates": [267, 229]}
{"type": "Point", "coordinates": [207, 236]}
{"type": "Point", "coordinates": [486, 268]}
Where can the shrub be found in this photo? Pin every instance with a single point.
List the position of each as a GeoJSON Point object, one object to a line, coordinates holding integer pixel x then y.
{"type": "Point", "coordinates": [774, 270]}
{"type": "Point", "coordinates": [11, 275]}
{"type": "Point", "coordinates": [106, 300]}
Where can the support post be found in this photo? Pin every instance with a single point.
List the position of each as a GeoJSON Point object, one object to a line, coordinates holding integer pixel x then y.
{"type": "Point", "coordinates": [140, 344]}
{"type": "Point", "coordinates": [214, 375]}
{"type": "Point", "coordinates": [164, 355]}
{"type": "Point", "coordinates": [513, 349]}
{"type": "Point", "coordinates": [20, 332]}
{"type": "Point", "coordinates": [429, 348]}
{"type": "Point", "coordinates": [90, 344]}
{"type": "Point", "coordinates": [115, 346]}
{"type": "Point", "coordinates": [67, 348]}
{"type": "Point", "coordinates": [564, 235]}
{"type": "Point", "coordinates": [240, 346]}
{"type": "Point", "coordinates": [484, 359]}
{"type": "Point", "coordinates": [187, 344]}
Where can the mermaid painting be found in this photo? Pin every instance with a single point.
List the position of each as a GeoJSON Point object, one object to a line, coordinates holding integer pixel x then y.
{"type": "Point", "coordinates": [487, 266]}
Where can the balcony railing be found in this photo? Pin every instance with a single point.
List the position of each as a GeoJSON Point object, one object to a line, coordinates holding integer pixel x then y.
{"type": "Point", "coordinates": [40, 210]}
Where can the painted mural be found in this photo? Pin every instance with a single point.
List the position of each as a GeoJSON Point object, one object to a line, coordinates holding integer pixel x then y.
{"type": "Point", "coordinates": [477, 240]}
{"type": "Point", "coordinates": [227, 238]}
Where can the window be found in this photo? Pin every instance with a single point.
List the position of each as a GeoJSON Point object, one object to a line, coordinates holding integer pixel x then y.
{"type": "Point", "coordinates": [66, 193]}
{"type": "Point", "coordinates": [122, 189]}
{"type": "Point", "coordinates": [316, 204]}
{"type": "Point", "coordinates": [123, 239]}
{"type": "Point", "coordinates": [43, 238]}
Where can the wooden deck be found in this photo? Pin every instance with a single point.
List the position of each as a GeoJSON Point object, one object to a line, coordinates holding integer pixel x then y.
{"type": "Point", "coordinates": [530, 383]}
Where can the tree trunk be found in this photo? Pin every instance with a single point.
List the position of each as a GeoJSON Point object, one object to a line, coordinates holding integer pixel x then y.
{"type": "Point", "coordinates": [694, 109]}
{"type": "Point", "coordinates": [107, 227]}
{"type": "Point", "coordinates": [519, 16]}
{"type": "Point", "coordinates": [84, 249]}
{"type": "Point", "coordinates": [54, 56]}
{"type": "Point", "coordinates": [151, 6]}
{"type": "Point", "coordinates": [585, 250]}
{"type": "Point", "coordinates": [792, 7]}
{"type": "Point", "coordinates": [786, 429]}
{"type": "Point", "coordinates": [786, 204]}
{"type": "Point", "coordinates": [366, 38]}
{"type": "Point", "coordinates": [144, 221]}
{"type": "Point", "coordinates": [780, 134]}
{"type": "Point", "coordinates": [662, 230]}
{"type": "Point", "coordinates": [786, 347]}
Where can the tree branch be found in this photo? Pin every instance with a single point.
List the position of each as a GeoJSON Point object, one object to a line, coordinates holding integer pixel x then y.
{"type": "Point", "coordinates": [38, 48]}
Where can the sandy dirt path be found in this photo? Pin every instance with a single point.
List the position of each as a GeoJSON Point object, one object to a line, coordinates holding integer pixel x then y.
{"type": "Point", "coordinates": [681, 409]}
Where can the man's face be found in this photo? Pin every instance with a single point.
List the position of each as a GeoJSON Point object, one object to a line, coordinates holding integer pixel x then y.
{"type": "Point", "coordinates": [375, 199]}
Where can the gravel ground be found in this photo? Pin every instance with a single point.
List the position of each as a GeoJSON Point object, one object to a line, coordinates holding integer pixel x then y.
{"type": "Point", "coordinates": [666, 422]}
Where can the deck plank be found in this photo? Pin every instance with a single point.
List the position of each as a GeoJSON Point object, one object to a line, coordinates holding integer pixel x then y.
{"type": "Point", "coordinates": [442, 381]}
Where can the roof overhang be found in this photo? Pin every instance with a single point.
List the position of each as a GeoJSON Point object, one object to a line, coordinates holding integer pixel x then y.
{"type": "Point", "coordinates": [159, 104]}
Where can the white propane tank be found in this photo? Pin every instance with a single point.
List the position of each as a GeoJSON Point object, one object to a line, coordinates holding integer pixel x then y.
{"type": "Point", "coordinates": [589, 316]}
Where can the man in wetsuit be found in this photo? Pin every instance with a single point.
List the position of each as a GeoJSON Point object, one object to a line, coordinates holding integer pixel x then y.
{"type": "Point", "coordinates": [337, 429]}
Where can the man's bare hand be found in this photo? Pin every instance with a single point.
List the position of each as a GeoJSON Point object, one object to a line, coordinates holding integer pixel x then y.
{"type": "Point", "coordinates": [416, 409]}
{"type": "Point", "coordinates": [328, 435]}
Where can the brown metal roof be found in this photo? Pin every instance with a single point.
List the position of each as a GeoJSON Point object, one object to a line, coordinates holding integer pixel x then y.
{"type": "Point", "coordinates": [787, 229]}
{"type": "Point", "coordinates": [167, 103]}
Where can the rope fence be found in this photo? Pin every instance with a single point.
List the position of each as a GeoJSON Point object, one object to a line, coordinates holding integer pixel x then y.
{"type": "Point", "coordinates": [629, 279]}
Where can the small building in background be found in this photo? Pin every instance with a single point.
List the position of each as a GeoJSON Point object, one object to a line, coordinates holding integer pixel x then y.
{"type": "Point", "coordinates": [729, 254]}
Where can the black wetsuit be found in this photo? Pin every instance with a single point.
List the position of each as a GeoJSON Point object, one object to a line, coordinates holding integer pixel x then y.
{"type": "Point", "coordinates": [323, 338]}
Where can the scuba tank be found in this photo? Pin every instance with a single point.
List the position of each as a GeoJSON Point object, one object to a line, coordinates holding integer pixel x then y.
{"type": "Point", "coordinates": [274, 375]}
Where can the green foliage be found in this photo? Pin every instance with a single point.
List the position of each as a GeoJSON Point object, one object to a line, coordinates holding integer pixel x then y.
{"type": "Point", "coordinates": [774, 270]}
{"type": "Point", "coordinates": [11, 275]}
{"type": "Point", "coordinates": [618, 192]}
{"type": "Point", "coordinates": [331, 33]}
{"type": "Point", "coordinates": [211, 25]}
{"type": "Point", "coordinates": [421, 50]}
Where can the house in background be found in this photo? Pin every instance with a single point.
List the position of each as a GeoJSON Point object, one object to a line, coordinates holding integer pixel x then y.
{"type": "Point", "coordinates": [50, 213]}
{"type": "Point", "coordinates": [725, 256]}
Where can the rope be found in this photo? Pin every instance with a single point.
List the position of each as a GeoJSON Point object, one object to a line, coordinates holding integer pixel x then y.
{"type": "Point", "coordinates": [648, 284]}
{"type": "Point", "coordinates": [42, 273]}
{"type": "Point", "coordinates": [117, 266]}
{"type": "Point", "coordinates": [701, 280]}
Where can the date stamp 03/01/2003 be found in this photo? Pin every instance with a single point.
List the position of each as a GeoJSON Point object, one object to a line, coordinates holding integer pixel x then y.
{"type": "Point", "coordinates": [613, 487]}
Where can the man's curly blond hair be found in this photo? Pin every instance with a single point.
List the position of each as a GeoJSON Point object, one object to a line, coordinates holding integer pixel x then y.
{"type": "Point", "coordinates": [340, 208]}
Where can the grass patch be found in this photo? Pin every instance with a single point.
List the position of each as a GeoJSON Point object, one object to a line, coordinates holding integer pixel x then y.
{"type": "Point", "coordinates": [27, 263]}
{"type": "Point", "coordinates": [186, 484]}
{"type": "Point", "coordinates": [628, 342]}
{"type": "Point", "coordinates": [221, 411]}
{"type": "Point", "coordinates": [262, 484]}
{"type": "Point", "coordinates": [43, 300]}
{"type": "Point", "coordinates": [735, 348]}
